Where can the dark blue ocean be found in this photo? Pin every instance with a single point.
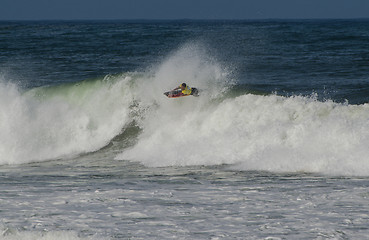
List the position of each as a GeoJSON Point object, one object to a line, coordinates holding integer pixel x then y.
{"type": "Point", "coordinates": [275, 146]}
{"type": "Point", "coordinates": [327, 57]}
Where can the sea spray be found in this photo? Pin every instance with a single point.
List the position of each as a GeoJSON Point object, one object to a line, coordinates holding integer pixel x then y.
{"type": "Point", "coordinates": [61, 121]}
{"type": "Point", "coordinates": [253, 132]}
{"type": "Point", "coordinates": [246, 131]}
{"type": "Point", "coordinates": [69, 119]}
{"type": "Point", "coordinates": [193, 65]}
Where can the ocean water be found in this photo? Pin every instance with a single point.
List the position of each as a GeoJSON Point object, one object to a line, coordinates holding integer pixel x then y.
{"type": "Point", "coordinates": [275, 147]}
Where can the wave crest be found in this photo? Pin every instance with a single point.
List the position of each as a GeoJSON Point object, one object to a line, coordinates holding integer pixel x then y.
{"type": "Point", "coordinates": [254, 132]}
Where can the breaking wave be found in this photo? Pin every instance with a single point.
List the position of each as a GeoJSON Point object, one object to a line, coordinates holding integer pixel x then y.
{"type": "Point", "coordinates": [246, 131]}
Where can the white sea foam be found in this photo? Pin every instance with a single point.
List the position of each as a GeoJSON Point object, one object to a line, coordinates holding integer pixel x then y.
{"type": "Point", "coordinates": [258, 133]}
{"type": "Point", "coordinates": [50, 123]}
{"type": "Point", "coordinates": [13, 234]}
{"type": "Point", "coordinates": [249, 132]}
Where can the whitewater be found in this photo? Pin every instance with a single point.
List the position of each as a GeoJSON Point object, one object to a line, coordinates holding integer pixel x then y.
{"type": "Point", "coordinates": [246, 131]}
{"type": "Point", "coordinates": [275, 146]}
